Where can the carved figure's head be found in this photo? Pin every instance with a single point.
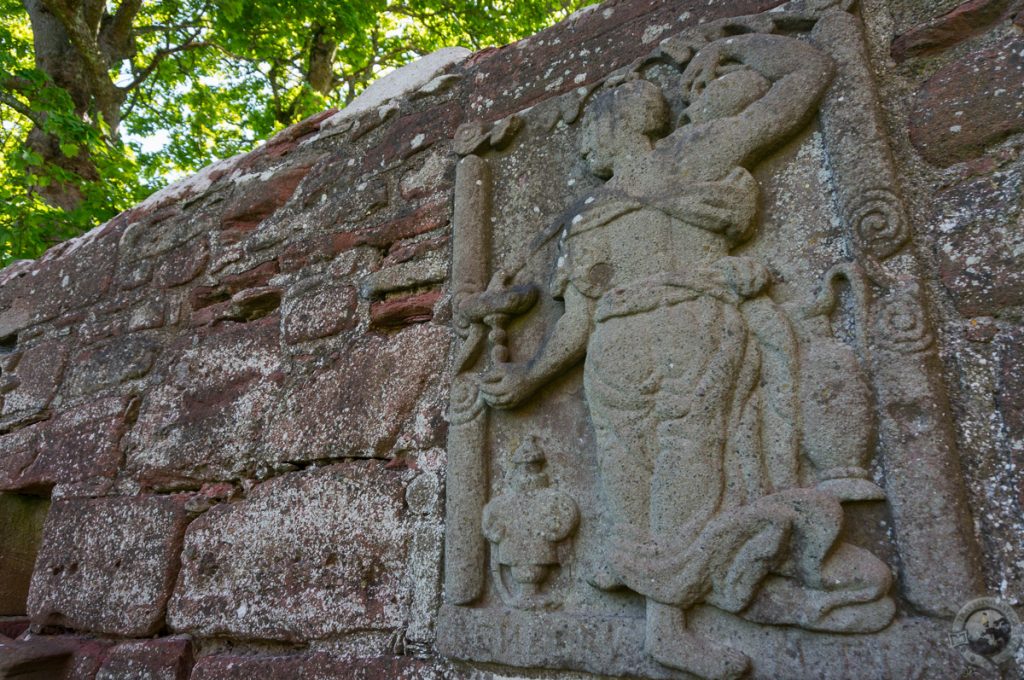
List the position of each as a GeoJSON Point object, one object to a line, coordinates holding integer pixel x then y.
{"type": "Point", "coordinates": [726, 95]}
{"type": "Point", "coordinates": [528, 473]}
{"type": "Point", "coordinates": [622, 122]}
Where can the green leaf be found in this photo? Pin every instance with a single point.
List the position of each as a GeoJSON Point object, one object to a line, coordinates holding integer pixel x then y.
{"type": "Point", "coordinates": [249, 80]}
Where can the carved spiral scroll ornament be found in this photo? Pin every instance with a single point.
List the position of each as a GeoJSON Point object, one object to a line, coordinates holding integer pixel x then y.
{"type": "Point", "coordinates": [900, 324]}
{"type": "Point", "coordinates": [877, 219]}
{"type": "Point", "coordinates": [465, 404]}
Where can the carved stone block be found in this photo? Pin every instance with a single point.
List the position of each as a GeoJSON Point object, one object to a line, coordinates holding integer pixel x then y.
{"type": "Point", "coordinates": [694, 365]}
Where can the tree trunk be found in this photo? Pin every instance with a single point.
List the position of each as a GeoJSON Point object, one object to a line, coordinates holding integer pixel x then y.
{"type": "Point", "coordinates": [56, 57]}
{"type": "Point", "coordinates": [320, 74]}
{"type": "Point", "coordinates": [83, 76]}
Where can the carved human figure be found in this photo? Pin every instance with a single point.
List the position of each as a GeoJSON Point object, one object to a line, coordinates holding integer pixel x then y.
{"type": "Point", "coordinates": [687, 362]}
{"type": "Point", "coordinates": [526, 523]}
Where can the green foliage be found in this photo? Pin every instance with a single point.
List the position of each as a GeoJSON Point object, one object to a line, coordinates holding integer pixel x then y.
{"type": "Point", "coordinates": [207, 80]}
{"type": "Point", "coordinates": [28, 224]}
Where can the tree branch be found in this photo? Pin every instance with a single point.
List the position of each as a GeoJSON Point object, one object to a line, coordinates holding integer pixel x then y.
{"type": "Point", "coordinates": [161, 28]}
{"type": "Point", "coordinates": [17, 83]}
{"type": "Point", "coordinates": [124, 16]}
{"type": "Point", "coordinates": [116, 33]}
{"type": "Point", "coordinates": [160, 55]}
{"type": "Point", "coordinates": [37, 117]}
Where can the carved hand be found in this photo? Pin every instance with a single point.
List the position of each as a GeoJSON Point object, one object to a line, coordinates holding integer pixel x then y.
{"type": "Point", "coordinates": [506, 385]}
{"type": "Point", "coordinates": [702, 69]}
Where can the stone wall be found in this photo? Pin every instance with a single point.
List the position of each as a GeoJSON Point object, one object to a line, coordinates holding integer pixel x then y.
{"type": "Point", "coordinates": [234, 394]}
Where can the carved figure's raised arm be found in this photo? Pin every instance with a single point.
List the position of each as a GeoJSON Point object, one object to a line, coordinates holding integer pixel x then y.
{"type": "Point", "coordinates": [507, 385]}
{"type": "Point", "coordinates": [795, 72]}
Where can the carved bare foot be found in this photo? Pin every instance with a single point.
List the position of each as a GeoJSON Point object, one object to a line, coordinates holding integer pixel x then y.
{"type": "Point", "coordinates": [671, 644]}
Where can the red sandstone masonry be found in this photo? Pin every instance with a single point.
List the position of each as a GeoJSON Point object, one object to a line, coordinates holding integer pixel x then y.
{"type": "Point", "coordinates": [401, 311]}
{"type": "Point", "coordinates": [107, 565]}
{"type": "Point", "coordinates": [31, 378]}
{"type": "Point", "coordinates": [307, 555]}
{"type": "Point", "coordinates": [164, 659]}
{"type": "Point", "coordinates": [157, 311]}
{"type": "Point", "coordinates": [315, 666]}
{"type": "Point", "coordinates": [76, 446]}
{"type": "Point", "coordinates": [331, 405]}
{"type": "Point", "coordinates": [321, 311]}
{"type": "Point", "coordinates": [256, 200]}
{"type": "Point", "coordinates": [965, 21]}
{"type": "Point", "coordinates": [506, 80]}
{"type": "Point", "coordinates": [205, 422]}
{"type": "Point", "coordinates": [970, 104]}
{"type": "Point", "coordinates": [85, 654]}
{"type": "Point", "coordinates": [424, 219]}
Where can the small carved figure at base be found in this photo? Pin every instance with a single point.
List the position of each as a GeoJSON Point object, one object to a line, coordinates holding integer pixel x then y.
{"type": "Point", "coordinates": [525, 524]}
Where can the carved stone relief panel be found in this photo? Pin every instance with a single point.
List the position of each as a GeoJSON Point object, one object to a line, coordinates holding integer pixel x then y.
{"type": "Point", "coordinates": [696, 423]}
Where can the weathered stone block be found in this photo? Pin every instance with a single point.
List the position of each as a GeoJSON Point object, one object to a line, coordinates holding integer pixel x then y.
{"type": "Point", "coordinates": [979, 236]}
{"type": "Point", "coordinates": [79, 444]}
{"type": "Point", "coordinates": [421, 220]}
{"type": "Point", "coordinates": [305, 252]}
{"type": "Point", "coordinates": [21, 531]}
{"type": "Point", "coordinates": [231, 284]}
{"type": "Point", "coordinates": [405, 276]}
{"type": "Point", "coordinates": [319, 311]}
{"type": "Point", "coordinates": [243, 307]}
{"type": "Point", "coordinates": [961, 23]}
{"type": "Point", "coordinates": [35, 660]}
{"type": "Point", "coordinates": [969, 104]}
{"type": "Point", "coordinates": [88, 266]}
{"type": "Point", "coordinates": [403, 251]}
{"type": "Point", "coordinates": [401, 311]}
{"type": "Point", "coordinates": [72, 275]}
{"type": "Point", "coordinates": [377, 392]}
{"type": "Point", "coordinates": [82, 442]}
{"type": "Point", "coordinates": [412, 133]}
{"type": "Point", "coordinates": [83, 655]}
{"type": "Point", "coordinates": [107, 565]}
{"type": "Point", "coordinates": [182, 264]}
{"type": "Point", "coordinates": [31, 379]}
{"type": "Point", "coordinates": [160, 659]}
{"type": "Point", "coordinates": [433, 175]}
{"type": "Point", "coordinates": [316, 666]}
{"type": "Point", "coordinates": [204, 422]}
{"type": "Point", "coordinates": [306, 555]}
{"type": "Point", "coordinates": [340, 191]}
{"type": "Point", "coordinates": [147, 315]}
{"type": "Point", "coordinates": [256, 200]}
{"type": "Point", "coordinates": [111, 363]}
{"type": "Point", "coordinates": [17, 451]}
{"type": "Point", "coordinates": [154, 230]}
